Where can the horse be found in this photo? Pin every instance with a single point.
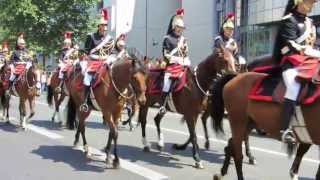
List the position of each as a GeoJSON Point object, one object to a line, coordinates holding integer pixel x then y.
{"type": "Point", "coordinates": [207, 112]}
{"type": "Point", "coordinates": [231, 92]}
{"type": "Point", "coordinates": [109, 96]}
{"type": "Point", "coordinates": [55, 92]}
{"type": "Point", "coordinates": [189, 100]}
{"type": "Point", "coordinates": [5, 99]}
{"type": "Point", "coordinates": [24, 87]}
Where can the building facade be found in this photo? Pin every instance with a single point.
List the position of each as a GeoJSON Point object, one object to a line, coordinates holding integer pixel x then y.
{"type": "Point", "coordinates": [258, 25]}
{"type": "Point", "coordinates": [146, 21]}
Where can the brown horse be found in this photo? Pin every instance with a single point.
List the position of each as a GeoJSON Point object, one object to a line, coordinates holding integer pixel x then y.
{"type": "Point", "coordinates": [5, 99]}
{"type": "Point", "coordinates": [110, 97]}
{"type": "Point", "coordinates": [25, 88]}
{"type": "Point", "coordinates": [189, 100]}
{"type": "Point", "coordinates": [232, 93]}
{"type": "Point", "coordinates": [58, 96]}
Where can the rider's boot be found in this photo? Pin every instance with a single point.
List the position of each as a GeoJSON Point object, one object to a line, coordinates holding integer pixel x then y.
{"type": "Point", "coordinates": [164, 99]}
{"type": "Point", "coordinates": [84, 106]}
{"type": "Point", "coordinates": [288, 108]}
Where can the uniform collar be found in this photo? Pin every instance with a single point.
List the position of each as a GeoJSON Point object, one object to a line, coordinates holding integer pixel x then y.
{"type": "Point", "coordinates": [299, 15]}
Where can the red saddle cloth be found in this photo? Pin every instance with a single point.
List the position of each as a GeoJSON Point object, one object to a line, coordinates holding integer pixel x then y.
{"type": "Point", "coordinates": [99, 71]}
{"type": "Point", "coordinates": [272, 89]}
{"type": "Point", "coordinates": [19, 69]}
{"type": "Point", "coordinates": [94, 66]}
{"type": "Point", "coordinates": [155, 80]}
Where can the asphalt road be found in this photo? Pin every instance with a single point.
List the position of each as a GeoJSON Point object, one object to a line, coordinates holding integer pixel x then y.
{"type": "Point", "coordinates": [45, 152]}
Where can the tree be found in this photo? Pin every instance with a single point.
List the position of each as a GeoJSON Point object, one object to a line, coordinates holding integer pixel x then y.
{"type": "Point", "coordinates": [44, 21]}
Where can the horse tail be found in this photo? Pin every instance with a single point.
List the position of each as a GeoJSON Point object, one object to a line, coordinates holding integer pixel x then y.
{"type": "Point", "coordinates": [217, 108]}
{"type": "Point", "coordinates": [50, 95]}
{"type": "Point", "coordinates": [71, 114]}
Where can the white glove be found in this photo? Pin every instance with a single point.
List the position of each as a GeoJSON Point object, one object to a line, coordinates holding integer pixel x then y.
{"type": "Point", "coordinates": [312, 52]}
{"type": "Point", "coordinates": [242, 60]}
{"type": "Point", "coordinates": [187, 61]}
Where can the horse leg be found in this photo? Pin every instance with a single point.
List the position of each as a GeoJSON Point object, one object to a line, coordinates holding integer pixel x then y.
{"type": "Point", "coordinates": [82, 128]}
{"type": "Point", "coordinates": [228, 155]}
{"type": "Point", "coordinates": [60, 100]}
{"type": "Point", "coordinates": [6, 109]}
{"type": "Point", "coordinates": [302, 149]}
{"type": "Point", "coordinates": [252, 159]}
{"type": "Point", "coordinates": [181, 147]}
{"type": "Point", "coordinates": [204, 118]}
{"type": "Point", "coordinates": [157, 121]}
{"type": "Point", "coordinates": [32, 104]}
{"type": "Point", "coordinates": [22, 110]}
{"type": "Point", "coordinates": [143, 120]}
{"type": "Point", "coordinates": [318, 174]}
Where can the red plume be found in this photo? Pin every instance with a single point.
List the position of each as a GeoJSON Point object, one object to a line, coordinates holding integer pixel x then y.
{"type": "Point", "coordinates": [20, 34]}
{"type": "Point", "coordinates": [5, 45]}
{"type": "Point", "coordinates": [230, 15]}
{"type": "Point", "coordinates": [105, 14]}
{"type": "Point", "coordinates": [180, 11]}
{"type": "Point", "coordinates": [67, 34]}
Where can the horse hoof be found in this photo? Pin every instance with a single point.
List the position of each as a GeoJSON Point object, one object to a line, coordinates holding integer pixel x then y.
{"type": "Point", "coordinates": [8, 122]}
{"type": "Point", "coordinates": [178, 147]}
{"type": "Point", "coordinates": [116, 164]}
{"type": "Point", "coordinates": [160, 147]}
{"type": "Point", "coordinates": [131, 129]}
{"type": "Point", "coordinates": [198, 165]}
{"type": "Point", "coordinates": [207, 145]}
{"type": "Point", "coordinates": [146, 149]}
{"type": "Point", "coordinates": [217, 177]}
{"type": "Point", "coordinates": [76, 145]}
{"type": "Point", "coordinates": [294, 176]}
{"type": "Point", "coordinates": [252, 161]}
{"type": "Point", "coordinates": [52, 119]}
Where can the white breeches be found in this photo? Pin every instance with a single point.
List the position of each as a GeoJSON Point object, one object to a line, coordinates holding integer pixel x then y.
{"type": "Point", "coordinates": [166, 82]}
{"type": "Point", "coordinates": [12, 75]}
{"type": "Point", "coordinates": [62, 66]}
{"type": "Point", "coordinates": [292, 85]}
{"type": "Point", "coordinates": [87, 79]}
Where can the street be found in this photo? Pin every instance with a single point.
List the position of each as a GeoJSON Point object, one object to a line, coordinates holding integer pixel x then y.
{"type": "Point", "coordinates": [45, 152]}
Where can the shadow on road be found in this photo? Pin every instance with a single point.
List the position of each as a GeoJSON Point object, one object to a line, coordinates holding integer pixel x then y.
{"type": "Point", "coordinates": [65, 154]}
{"type": "Point", "coordinates": [8, 127]}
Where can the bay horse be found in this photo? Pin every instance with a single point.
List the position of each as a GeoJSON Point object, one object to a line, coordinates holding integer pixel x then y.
{"type": "Point", "coordinates": [207, 112]}
{"type": "Point", "coordinates": [24, 87]}
{"type": "Point", "coordinates": [189, 100]}
{"type": "Point", "coordinates": [110, 97]}
{"type": "Point", "coordinates": [231, 92]}
{"type": "Point", "coordinates": [5, 99]}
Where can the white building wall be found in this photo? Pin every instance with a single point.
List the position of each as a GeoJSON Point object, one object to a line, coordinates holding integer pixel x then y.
{"type": "Point", "coordinates": [199, 22]}
{"type": "Point", "coordinates": [149, 26]}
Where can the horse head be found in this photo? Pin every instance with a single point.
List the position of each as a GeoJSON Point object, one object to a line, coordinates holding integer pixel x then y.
{"type": "Point", "coordinates": [224, 59]}
{"type": "Point", "coordinates": [138, 79]}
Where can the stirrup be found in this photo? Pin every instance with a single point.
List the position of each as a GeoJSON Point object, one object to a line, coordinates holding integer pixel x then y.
{"type": "Point", "coordinates": [58, 89]}
{"type": "Point", "coordinates": [288, 137]}
{"type": "Point", "coordinates": [162, 110]}
{"type": "Point", "coordinates": [84, 108]}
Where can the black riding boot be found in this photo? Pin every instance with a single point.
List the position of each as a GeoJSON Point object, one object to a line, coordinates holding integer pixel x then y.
{"type": "Point", "coordinates": [164, 97]}
{"type": "Point", "coordinates": [288, 109]}
{"type": "Point", "coordinates": [84, 107]}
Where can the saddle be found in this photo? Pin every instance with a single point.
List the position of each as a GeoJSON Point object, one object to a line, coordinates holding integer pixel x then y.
{"type": "Point", "coordinates": [271, 88]}
{"type": "Point", "coordinates": [155, 80]}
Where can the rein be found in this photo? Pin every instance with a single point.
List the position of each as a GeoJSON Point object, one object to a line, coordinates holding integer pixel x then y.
{"type": "Point", "coordinates": [206, 93]}
{"type": "Point", "coordinates": [122, 94]}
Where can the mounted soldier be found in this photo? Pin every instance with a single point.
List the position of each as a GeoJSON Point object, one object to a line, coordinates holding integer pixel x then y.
{"type": "Point", "coordinates": [175, 53]}
{"type": "Point", "coordinates": [98, 47]}
{"type": "Point", "coordinates": [225, 38]}
{"type": "Point", "coordinates": [296, 36]}
{"type": "Point", "coordinates": [21, 59]}
{"type": "Point", "coordinates": [67, 57]}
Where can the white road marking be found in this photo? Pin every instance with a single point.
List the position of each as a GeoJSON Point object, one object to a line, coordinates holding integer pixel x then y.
{"type": "Point", "coordinates": [125, 164]}
{"type": "Point", "coordinates": [214, 140]}
{"type": "Point", "coordinates": [39, 130]}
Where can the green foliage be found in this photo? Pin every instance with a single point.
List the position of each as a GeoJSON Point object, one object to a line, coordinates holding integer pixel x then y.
{"type": "Point", "coordinates": [44, 21]}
